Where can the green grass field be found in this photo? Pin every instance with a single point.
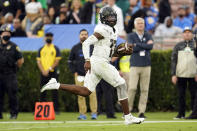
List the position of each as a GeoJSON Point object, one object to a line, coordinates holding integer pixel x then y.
{"type": "Point", "coordinates": [158, 121]}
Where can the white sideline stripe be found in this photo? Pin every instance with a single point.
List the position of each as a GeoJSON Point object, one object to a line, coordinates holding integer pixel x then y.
{"type": "Point", "coordinates": [78, 122]}
{"type": "Point", "coordinates": [44, 127]}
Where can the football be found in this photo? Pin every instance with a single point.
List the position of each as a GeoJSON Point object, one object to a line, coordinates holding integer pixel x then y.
{"type": "Point", "coordinates": [124, 49]}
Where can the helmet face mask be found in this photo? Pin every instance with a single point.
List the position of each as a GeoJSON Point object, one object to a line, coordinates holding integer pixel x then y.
{"type": "Point", "coordinates": [108, 16]}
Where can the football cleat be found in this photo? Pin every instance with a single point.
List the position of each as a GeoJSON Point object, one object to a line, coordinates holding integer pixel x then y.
{"type": "Point", "coordinates": [133, 120]}
{"type": "Point", "coordinates": [51, 85]}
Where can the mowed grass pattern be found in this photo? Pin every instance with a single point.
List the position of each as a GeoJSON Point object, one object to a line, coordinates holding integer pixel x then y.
{"type": "Point", "coordinates": [157, 121]}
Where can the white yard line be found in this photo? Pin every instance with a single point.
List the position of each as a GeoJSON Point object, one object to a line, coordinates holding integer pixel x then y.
{"type": "Point", "coordinates": [72, 124]}
{"type": "Point", "coordinates": [78, 122]}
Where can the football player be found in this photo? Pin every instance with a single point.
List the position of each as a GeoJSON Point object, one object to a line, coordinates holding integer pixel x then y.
{"type": "Point", "coordinates": [98, 66]}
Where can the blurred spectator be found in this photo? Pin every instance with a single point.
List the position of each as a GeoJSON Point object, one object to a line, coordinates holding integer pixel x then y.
{"type": "Point", "coordinates": [74, 16]}
{"type": "Point", "coordinates": [189, 14]}
{"type": "Point", "coordinates": [34, 6]}
{"type": "Point", "coordinates": [48, 60]}
{"type": "Point", "coordinates": [195, 6]}
{"type": "Point", "coordinates": [56, 3]}
{"type": "Point", "coordinates": [22, 11]}
{"type": "Point", "coordinates": [52, 14]}
{"type": "Point", "coordinates": [98, 7]}
{"type": "Point", "coordinates": [39, 29]}
{"type": "Point", "coordinates": [140, 64]}
{"type": "Point", "coordinates": [2, 20]}
{"type": "Point", "coordinates": [167, 29]}
{"type": "Point", "coordinates": [164, 10]}
{"type": "Point", "coordinates": [88, 13]}
{"type": "Point", "coordinates": [11, 6]}
{"type": "Point", "coordinates": [32, 19]}
{"type": "Point", "coordinates": [124, 68]}
{"type": "Point", "coordinates": [194, 28]}
{"type": "Point", "coordinates": [9, 18]}
{"type": "Point", "coordinates": [76, 64]}
{"type": "Point", "coordinates": [120, 23]}
{"type": "Point", "coordinates": [140, 13]}
{"type": "Point", "coordinates": [182, 21]}
{"type": "Point", "coordinates": [129, 13]}
{"type": "Point", "coordinates": [183, 70]}
{"type": "Point", "coordinates": [18, 31]}
{"type": "Point", "coordinates": [62, 18]}
{"type": "Point", "coordinates": [63, 15]}
{"type": "Point", "coordinates": [124, 5]}
{"type": "Point", "coordinates": [151, 15]}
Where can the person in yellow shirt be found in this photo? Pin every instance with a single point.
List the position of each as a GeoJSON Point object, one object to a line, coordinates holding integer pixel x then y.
{"type": "Point", "coordinates": [47, 60]}
{"type": "Point", "coordinates": [124, 66]}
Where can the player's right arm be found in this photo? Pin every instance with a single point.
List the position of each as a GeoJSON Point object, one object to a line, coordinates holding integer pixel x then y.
{"type": "Point", "coordinates": [86, 48]}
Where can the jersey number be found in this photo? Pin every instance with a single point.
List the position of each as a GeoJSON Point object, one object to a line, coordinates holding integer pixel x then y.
{"type": "Point", "coordinates": [112, 46]}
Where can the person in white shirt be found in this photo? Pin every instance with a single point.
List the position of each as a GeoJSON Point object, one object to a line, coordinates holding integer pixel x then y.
{"type": "Point", "coordinates": [98, 66]}
{"type": "Point", "coordinates": [167, 29]}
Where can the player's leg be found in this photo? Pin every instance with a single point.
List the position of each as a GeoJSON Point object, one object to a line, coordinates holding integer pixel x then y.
{"type": "Point", "coordinates": [111, 75]}
{"type": "Point", "coordinates": [90, 82]}
{"type": "Point", "coordinates": [78, 90]}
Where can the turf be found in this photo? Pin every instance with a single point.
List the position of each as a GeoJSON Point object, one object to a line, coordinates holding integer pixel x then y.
{"type": "Point", "coordinates": [158, 121]}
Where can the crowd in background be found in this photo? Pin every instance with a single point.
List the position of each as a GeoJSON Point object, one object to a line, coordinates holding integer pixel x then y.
{"type": "Point", "coordinates": [28, 17]}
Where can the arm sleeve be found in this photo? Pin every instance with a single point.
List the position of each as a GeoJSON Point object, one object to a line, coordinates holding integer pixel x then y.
{"type": "Point", "coordinates": [18, 54]}
{"type": "Point", "coordinates": [135, 48]}
{"type": "Point", "coordinates": [58, 53]}
{"type": "Point", "coordinates": [146, 46]}
{"type": "Point", "coordinates": [86, 46]}
{"type": "Point", "coordinates": [71, 60]}
{"type": "Point", "coordinates": [38, 54]}
{"type": "Point", "coordinates": [92, 40]}
{"type": "Point", "coordinates": [174, 60]}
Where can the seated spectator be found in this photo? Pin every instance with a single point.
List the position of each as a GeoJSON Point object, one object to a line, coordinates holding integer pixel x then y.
{"type": "Point", "coordinates": [32, 19]}
{"type": "Point", "coordinates": [62, 18]}
{"type": "Point", "coordinates": [39, 30]}
{"type": "Point", "coordinates": [36, 6]}
{"type": "Point", "coordinates": [9, 18]}
{"type": "Point", "coordinates": [18, 31]}
{"type": "Point", "coordinates": [151, 15]}
{"type": "Point", "coordinates": [189, 14]}
{"type": "Point", "coordinates": [181, 20]}
{"type": "Point", "coordinates": [129, 13]}
{"type": "Point", "coordinates": [74, 16]}
{"type": "Point", "coordinates": [167, 29]}
{"type": "Point", "coordinates": [63, 15]}
{"type": "Point", "coordinates": [52, 14]}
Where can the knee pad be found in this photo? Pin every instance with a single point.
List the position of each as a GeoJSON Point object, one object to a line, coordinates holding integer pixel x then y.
{"type": "Point", "coordinates": [122, 92]}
